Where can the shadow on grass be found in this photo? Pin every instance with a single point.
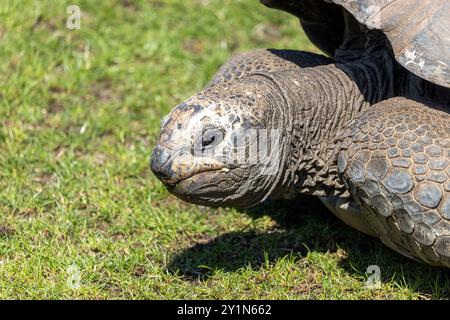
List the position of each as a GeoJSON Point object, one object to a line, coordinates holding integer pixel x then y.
{"type": "Point", "coordinates": [306, 225]}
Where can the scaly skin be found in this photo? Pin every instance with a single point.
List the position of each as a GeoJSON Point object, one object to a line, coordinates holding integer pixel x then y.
{"type": "Point", "coordinates": [395, 160]}
{"type": "Point", "coordinates": [312, 106]}
{"type": "Point", "coordinates": [267, 60]}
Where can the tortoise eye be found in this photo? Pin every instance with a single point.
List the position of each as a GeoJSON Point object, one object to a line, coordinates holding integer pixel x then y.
{"type": "Point", "coordinates": [211, 138]}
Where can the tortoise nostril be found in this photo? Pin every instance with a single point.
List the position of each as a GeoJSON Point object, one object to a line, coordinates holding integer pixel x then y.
{"type": "Point", "coordinates": [160, 163]}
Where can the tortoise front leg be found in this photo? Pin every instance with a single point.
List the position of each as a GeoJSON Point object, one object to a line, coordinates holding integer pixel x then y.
{"type": "Point", "coordinates": [395, 159]}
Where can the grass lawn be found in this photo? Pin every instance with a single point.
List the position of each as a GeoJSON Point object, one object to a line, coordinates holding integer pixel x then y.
{"type": "Point", "coordinates": [82, 216]}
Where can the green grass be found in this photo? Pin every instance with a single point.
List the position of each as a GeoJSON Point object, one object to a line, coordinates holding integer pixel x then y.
{"type": "Point", "coordinates": [79, 115]}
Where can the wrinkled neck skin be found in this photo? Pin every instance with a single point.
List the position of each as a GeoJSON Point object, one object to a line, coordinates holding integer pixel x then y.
{"type": "Point", "coordinates": [319, 102]}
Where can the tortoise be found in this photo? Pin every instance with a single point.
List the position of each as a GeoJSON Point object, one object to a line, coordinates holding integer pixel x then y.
{"type": "Point", "coordinates": [365, 128]}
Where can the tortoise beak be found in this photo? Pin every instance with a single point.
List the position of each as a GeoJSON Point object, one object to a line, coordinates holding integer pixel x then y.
{"type": "Point", "coordinates": [171, 166]}
{"type": "Point", "coordinates": [161, 164]}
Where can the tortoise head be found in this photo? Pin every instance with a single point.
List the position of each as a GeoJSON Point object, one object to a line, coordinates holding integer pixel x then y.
{"type": "Point", "coordinates": [221, 146]}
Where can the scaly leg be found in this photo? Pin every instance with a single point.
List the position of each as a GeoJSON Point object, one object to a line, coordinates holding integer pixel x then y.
{"type": "Point", "coordinates": [395, 159]}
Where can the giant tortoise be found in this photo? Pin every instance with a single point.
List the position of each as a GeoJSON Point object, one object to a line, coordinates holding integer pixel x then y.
{"type": "Point", "coordinates": [366, 129]}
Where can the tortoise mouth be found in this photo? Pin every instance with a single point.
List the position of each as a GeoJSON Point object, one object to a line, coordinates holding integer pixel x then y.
{"type": "Point", "coordinates": [197, 180]}
{"type": "Point", "coordinates": [207, 188]}
{"type": "Point", "coordinates": [199, 176]}
{"type": "Point", "coordinates": [172, 169]}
